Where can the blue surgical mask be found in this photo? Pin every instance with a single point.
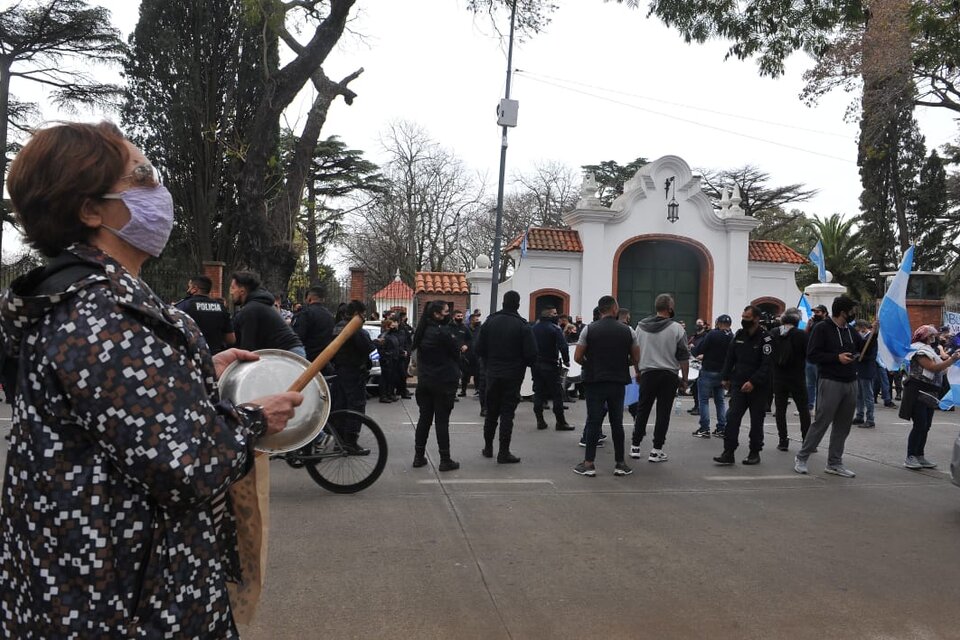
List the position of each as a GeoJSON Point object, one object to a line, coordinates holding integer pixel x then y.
{"type": "Point", "coordinates": [151, 218]}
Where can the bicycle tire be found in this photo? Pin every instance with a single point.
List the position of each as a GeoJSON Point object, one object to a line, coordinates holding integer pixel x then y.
{"type": "Point", "coordinates": [348, 473]}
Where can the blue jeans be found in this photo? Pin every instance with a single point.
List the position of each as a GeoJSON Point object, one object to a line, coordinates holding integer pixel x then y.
{"type": "Point", "coordinates": [865, 399]}
{"type": "Point", "coordinates": [812, 378]}
{"type": "Point", "coordinates": [300, 351]}
{"type": "Point", "coordinates": [708, 385]}
{"type": "Point", "coordinates": [884, 385]}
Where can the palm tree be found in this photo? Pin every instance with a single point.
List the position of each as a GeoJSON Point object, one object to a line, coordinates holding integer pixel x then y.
{"type": "Point", "coordinates": [843, 253]}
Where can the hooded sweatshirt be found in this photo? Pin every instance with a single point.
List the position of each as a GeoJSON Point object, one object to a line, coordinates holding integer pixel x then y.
{"type": "Point", "coordinates": [120, 457]}
{"type": "Point", "coordinates": [259, 326]}
{"type": "Point", "coordinates": [663, 344]}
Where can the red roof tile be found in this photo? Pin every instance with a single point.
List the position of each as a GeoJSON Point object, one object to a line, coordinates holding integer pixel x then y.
{"type": "Point", "coordinates": [547, 239]}
{"type": "Point", "coordinates": [396, 290]}
{"type": "Point", "coordinates": [441, 282]}
{"type": "Point", "coordinates": [772, 251]}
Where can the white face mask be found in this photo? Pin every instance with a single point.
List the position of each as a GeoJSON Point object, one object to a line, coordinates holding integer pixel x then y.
{"type": "Point", "coordinates": [151, 218]}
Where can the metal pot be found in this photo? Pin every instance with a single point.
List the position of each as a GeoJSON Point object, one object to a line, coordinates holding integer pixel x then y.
{"type": "Point", "coordinates": [275, 372]}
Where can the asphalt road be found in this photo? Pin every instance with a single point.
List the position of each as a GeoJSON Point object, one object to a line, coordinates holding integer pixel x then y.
{"type": "Point", "coordinates": [682, 549]}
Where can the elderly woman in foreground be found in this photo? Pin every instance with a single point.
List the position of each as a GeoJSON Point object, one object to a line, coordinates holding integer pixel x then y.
{"type": "Point", "coordinates": [115, 519]}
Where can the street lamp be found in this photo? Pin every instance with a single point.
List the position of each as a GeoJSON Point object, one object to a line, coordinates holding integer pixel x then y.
{"type": "Point", "coordinates": [673, 207]}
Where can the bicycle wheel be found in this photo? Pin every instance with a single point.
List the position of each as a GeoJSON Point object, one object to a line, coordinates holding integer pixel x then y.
{"type": "Point", "coordinates": [342, 465]}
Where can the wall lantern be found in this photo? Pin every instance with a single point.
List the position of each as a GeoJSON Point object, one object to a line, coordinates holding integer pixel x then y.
{"type": "Point", "coordinates": [673, 207]}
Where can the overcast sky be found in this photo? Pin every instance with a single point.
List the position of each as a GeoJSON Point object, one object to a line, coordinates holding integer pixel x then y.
{"type": "Point", "coordinates": [633, 88]}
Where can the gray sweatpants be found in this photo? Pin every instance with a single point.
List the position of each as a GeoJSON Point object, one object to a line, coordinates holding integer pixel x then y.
{"type": "Point", "coordinates": [836, 403]}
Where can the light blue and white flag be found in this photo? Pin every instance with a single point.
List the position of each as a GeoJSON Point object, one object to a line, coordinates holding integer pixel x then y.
{"type": "Point", "coordinates": [816, 257]}
{"type": "Point", "coordinates": [895, 332]}
{"type": "Point", "coordinates": [805, 311]}
{"type": "Point", "coordinates": [952, 398]}
{"type": "Point", "coordinates": [523, 243]}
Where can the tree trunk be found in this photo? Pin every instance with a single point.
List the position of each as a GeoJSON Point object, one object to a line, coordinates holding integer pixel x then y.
{"type": "Point", "coordinates": [313, 267]}
{"type": "Point", "coordinates": [4, 125]}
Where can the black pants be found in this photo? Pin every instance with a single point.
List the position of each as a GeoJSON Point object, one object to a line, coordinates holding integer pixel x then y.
{"type": "Point", "coordinates": [795, 388]}
{"type": "Point", "coordinates": [600, 397]}
{"type": "Point", "coordinates": [400, 379]}
{"type": "Point", "coordinates": [503, 395]}
{"type": "Point", "coordinates": [694, 389]}
{"type": "Point", "coordinates": [465, 376]}
{"type": "Point", "coordinates": [435, 403]}
{"type": "Point", "coordinates": [349, 392]}
{"type": "Point", "coordinates": [660, 386]}
{"type": "Point", "coordinates": [388, 371]}
{"type": "Point", "coordinates": [546, 386]}
{"type": "Point", "coordinates": [922, 417]}
{"type": "Point", "coordinates": [740, 403]}
{"type": "Point", "coordinates": [480, 379]}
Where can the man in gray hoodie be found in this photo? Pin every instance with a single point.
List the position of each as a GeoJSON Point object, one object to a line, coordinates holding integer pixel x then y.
{"type": "Point", "coordinates": [663, 351]}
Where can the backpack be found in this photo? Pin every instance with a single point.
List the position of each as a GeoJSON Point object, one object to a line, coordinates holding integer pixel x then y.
{"type": "Point", "coordinates": [58, 275]}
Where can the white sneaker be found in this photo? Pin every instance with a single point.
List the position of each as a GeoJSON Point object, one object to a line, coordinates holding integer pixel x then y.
{"type": "Point", "coordinates": [840, 470]}
{"type": "Point", "coordinates": [912, 463]}
{"type": "Point", "coordinates": [635, 452]}
{"type": "Point", "coordinates": [926, 464]}
{"type": "Point", "coordinates": [657, 455]}
{"type": "Point", "coordinates": [800, 466]}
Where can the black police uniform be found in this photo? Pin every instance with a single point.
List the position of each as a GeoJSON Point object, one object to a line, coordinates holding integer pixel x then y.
{"type": "Point", "coordinates": [551, 348]}
{"type": "Point", "coordinates": [212, 318]}
{"type": "Point", "coordinates": [748, 359]}
{"type": "Point", "coordinates": [352, 362]}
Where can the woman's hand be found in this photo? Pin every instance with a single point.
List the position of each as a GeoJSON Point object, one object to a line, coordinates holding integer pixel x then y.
{"type": "Point", "coordinates": [278, 409]}
{"type": "Point", "coordinates": [223, 359]}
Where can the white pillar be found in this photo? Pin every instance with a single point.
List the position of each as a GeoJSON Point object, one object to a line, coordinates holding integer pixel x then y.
{"type": "Point", "coordinates": [824, 293]}
{"type": "Point", "coordinates": [481, 284]}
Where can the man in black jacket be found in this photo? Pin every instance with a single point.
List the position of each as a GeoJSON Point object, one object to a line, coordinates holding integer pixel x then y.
{"type": "Point", "coordinates": [551, 349]}
{"type": "Point", "coordinates": [606, 350]}
{"type": "Point", "coordinates": [314, 324]}
{"type": "Point", "coordinates": [209, 314]}
{"type": "Point", "coordinates": [712, 353]}
{"type": "Point", "coordinates": [464, 337]}
{"type": "Point", "coordinates": [506, 347]}
{"type": "Point", "coordinates": [352, 364]}
{"type": "Point", "coordinates": [258, 325]}
{"type": "Point", "coordinates": [790, 374]}
{"type": "Point", "coordinates": [746, 373]}
{"type": "Point", "coordinates": [405, 339]}
{"type": "Point", "coordinates": [834, 347]}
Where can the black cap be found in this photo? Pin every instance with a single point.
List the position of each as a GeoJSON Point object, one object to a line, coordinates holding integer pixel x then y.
{"type": "Point", "coordinates": [724, 319]}
{"type": "Point", "coordinates": [821, 307]}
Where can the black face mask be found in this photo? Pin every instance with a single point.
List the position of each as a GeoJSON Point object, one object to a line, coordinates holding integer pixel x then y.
{"type": "Point", "coordinates": [748, 324]}
{"type": "Point", "coordinates": [554, 319]}
{"type": "Point", "coordinates": [852, 317]}
{"type": "Point", "coordinates": [445, 320]}
{"type": "Point", "coordinates": [672, 313]}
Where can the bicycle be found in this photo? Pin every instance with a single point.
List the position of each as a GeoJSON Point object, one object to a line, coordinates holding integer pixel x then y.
{"type": "Point", "coordinates": [336, 461]}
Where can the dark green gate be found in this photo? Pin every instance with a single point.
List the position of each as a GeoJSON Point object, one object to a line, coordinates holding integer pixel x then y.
{"type": "Point", "coordinates": [649, 268]}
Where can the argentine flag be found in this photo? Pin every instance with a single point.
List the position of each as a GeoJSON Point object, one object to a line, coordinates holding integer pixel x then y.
{"type": "Point", "coordinates": [895, 332]}
{"type": "Point", "coordinates": [805, 311]}
{"type": "Point", "coordinates": [953, 395]}
{"type": "Point", "coordinates": [523, 243]}
{"type": "Point", "coordinates": [816, 257]}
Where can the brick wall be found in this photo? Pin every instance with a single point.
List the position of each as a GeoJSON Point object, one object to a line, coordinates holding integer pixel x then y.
{"type": "Point", "coordinates": [214, 271]}
{"type": "Point", "coordinates": [358, 284]}
{"type": "Point", "coordinates": [925, 312]}
{"type": "Point", "coordinates": [460, 301]}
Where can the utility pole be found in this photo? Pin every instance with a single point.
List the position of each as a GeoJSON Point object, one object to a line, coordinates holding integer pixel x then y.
{"type": "Point", "coordinates": [507, 117]}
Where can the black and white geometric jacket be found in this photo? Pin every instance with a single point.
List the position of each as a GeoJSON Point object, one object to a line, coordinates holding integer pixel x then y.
{"type": "Point", "coordinates": [120, 451]}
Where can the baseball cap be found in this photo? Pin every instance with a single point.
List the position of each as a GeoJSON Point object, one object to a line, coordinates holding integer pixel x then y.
{"type": "Point", "coordinates": [725, 319]}
{"type": "Point", "coordinates": [821, 307]}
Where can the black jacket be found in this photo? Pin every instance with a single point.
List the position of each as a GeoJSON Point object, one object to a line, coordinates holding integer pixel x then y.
{"type": "Point", "coordinates": [388, 346]}
{"type": "Point", "coordinates": [789, 353]}
{"type": "Point", "coordinates": [354, 355]}
{"type": "Point", "coordinates": [713, 347]}
{"type": "Point", "coordinates": [867, 368]}
{"type": "Point", "coordinates": [438, 356]}
{"type": "Point", "coordinates": [259, 326]}
{"type": "Point", "coordinates": [827, 342]}
{"type": "Point", "coordinates": [314, 326]}
{"type": "Point", "coordinates": [551, 345]}
{"type": "Point", "coordinates": [212, 318]}
{"type": "Point", "coordinates": [609, 344]}
{"type": "Point", "coordinates": [506, 345]}
{"type": "Point", "coordinates": [748, 359]}
{"type": "Point", "coordinates": [462, 333]}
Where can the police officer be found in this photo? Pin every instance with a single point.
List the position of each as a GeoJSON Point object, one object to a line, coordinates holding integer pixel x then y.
{"type": "Point", "coordinates": [551, 348]}
{"type": "Point", "coordinates": [352, 362]}
{"type": "Point", "coordinates": [746, 375]}
{"type": "Point", "coordinates": [314, 324]}
{"type": "Point", "coordinates": [464, 340]}
{"type": "Point", "coordinates": [210, 315]}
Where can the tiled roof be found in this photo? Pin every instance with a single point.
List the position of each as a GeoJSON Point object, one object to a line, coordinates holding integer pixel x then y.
{"type": "Point", "coordinates": [396, 290]}
{"type": "Point", "coordinates": [772, 251]}
{"type": "Point", "coordinates": [547, 239]}
{"type": "Point", "coordinates": [441, 282]}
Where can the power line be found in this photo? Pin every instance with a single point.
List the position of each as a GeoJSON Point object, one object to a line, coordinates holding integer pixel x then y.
{"type": "Point", "coordinates": [534, 76]}
{"type": "Point", "coordinates": [693, 122]}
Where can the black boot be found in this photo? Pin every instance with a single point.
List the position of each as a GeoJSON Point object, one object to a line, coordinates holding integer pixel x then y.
{"type": "Point", "coordinates": [487, 451]}
{"type": "Point", "coordinates": [563, 426]}
{"type": "Point", "coordinates": [752, 458]}
{"type": "Point", "coordinates": [784, 444]}
{"type": "Point", "coordinates": [725, 458]}
{"type": "Point", "coordinates": [419, 460]}
{"type": "Point", "coordinates": [505, 457]}
{"type": "Point", "coordinates": [446, 464]}
{"type": "Point", "coordinates": [541, 423]}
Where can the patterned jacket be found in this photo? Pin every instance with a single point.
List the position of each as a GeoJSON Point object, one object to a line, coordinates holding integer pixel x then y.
{"type": "Point", "coordinates": [119, 455]}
